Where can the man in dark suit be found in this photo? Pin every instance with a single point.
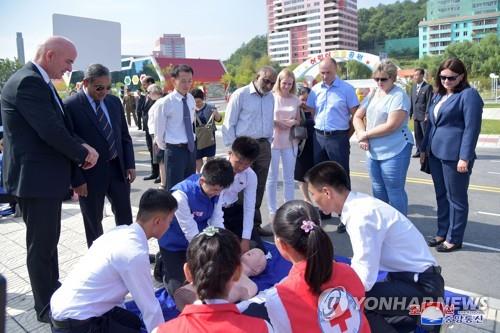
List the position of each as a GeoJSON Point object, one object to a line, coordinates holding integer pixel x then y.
{"type": "Point", "coordinates": [39, 150]}
{"type": "Point", "coordinates": [143, 105]}
{"type": "Point", "coordinates": [99, 119]}
{"type": "Point", "coordinates": [421, 93]}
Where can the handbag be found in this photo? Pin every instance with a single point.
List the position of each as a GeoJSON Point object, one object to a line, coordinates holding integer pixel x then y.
{"type": "Point", "coordinates": [299, 132]}
{"type": "Point", "coordinates": [205, 133]}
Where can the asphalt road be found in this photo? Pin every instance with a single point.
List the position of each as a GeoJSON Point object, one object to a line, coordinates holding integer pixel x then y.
{"type": "Point", "coordinates": [475, 268]}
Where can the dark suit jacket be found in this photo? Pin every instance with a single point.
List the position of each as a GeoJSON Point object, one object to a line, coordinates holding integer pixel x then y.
{"type": "Point", "coordinates": [420, 103]}
{"type": "Point", "coordinates": [87, 127]}
{"type": "Point", "coordinates": [39, 144]}
{"type": "Point", "coordinates": [453, 135]}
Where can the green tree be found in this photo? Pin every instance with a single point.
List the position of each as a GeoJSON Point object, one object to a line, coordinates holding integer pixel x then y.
{"type": "Point", "coordinates": [7, 68]}
{"type": "Point", "coordinates": [398, 20]}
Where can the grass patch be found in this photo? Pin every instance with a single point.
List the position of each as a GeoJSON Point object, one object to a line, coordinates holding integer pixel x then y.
{"type": "Point", "coordinates": [488, 126]}
{"type": "Point", "coordinates": [492, 106]}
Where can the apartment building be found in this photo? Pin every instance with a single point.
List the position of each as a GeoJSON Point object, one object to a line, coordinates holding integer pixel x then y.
{"type": "Point", "coordinates": [299, 29]}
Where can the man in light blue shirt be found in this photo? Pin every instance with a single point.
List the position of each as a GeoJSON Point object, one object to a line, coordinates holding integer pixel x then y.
{"type": "Point", "coordinates": [333, 102]}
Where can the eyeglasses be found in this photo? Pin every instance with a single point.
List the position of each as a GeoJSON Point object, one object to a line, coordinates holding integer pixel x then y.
{"type": "Point", "coordinates": [101, 88]}
{"type": "Point", "coordinates": [449, 78]}
{"type": "Point", "coordinates": [268, 82]}
{"type": "Point", "coordinates": [380, 79]}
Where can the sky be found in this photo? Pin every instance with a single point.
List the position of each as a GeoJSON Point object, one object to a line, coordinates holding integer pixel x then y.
{"type": "Point", "coordinates": [213, 29]}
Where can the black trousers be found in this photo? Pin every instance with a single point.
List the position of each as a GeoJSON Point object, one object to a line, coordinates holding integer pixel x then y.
{"type": "Point", "coordinates": [118, 193]}
{"type": "Point", "coordinates": [402, 286]}
{"type": "Point", "coordinates": [149, 144]}
{"type": "Point", "coordinates": [173, 269]}
{"type": "Point", "coordinates": [114, 321]}
{"type": "Point", "coordinates": [419, 129]}
{"type": "Point", "coordinates": [233, 221]}
{"type": "Point", "coordinates": [261, 167]}
{"type": "Point", "coordinates": [180, 163]}
{"type": "Point", "coordinates": [43, 227]}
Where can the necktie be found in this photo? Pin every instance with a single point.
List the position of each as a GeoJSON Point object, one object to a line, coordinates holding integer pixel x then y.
{"type": "Point", "coordinates": [106, 129]}
{"type": "Point", "coordinates": [418, 88]}
{"type": "Point", "coordinates": [51, 86]}
{"type": "Point", "coordinates": [188, 125]}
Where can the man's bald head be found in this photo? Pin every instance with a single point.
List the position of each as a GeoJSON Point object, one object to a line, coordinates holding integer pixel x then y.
{"type": "Point", "coordinates": [328, 70]}
{"type": "Point", "coordinates": [56, 56]}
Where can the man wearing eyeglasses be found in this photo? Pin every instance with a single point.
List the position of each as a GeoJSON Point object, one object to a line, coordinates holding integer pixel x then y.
{"type": "Point", "coordinates": [99, 120]}
{"type": "Point", "coordinates": [250, 112]}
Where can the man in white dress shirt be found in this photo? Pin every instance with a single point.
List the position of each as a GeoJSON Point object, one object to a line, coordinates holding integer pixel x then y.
{"type": "Point", "coordinates": [92, 295]}
{"type": "Point", "coordinates": [238, 217]}
{"type": "Point", "coordinates": [382, 239]}
{"type": "Point", "coordinates": [174, 127]}
{"type": "Point", "coordinates": [250, 112]}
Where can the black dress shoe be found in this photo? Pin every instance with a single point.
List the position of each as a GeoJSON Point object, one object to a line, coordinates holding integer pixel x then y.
{"type": "Point", "coordinates": [341, 228]}
{"type": "Point", "coordinates": [157, 180]}
{"type": "Point", "coordinates": [263, 232]}
{"type": "Point", "coordinates": [444, 248]}
{"type": "Point", "coordinates": [150, 177]}
{"type": "Point", "coordinates": [434, 242]}
{"type": "Point", "coordinates": [416, 155]}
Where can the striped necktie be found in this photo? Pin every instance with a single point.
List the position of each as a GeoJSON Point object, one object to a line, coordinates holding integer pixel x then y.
{"type": "Point", "coordinates": [188, 125]}
{"type": "Point", "coordinates": [106, 129]}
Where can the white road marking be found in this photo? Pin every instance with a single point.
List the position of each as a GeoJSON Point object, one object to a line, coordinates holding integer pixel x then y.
{"type": "Point", "coordinates": [486, 213]}
{"type": "Point", "coordinates": [482, 247]}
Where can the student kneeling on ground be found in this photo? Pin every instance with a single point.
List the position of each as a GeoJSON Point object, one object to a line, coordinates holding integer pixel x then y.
{"type": "Point", "coordinates": [382, 239]}
{"type": "Point", "coordinates": [117, 263]}
{"type": "Point", "coordinates": [238, 217]}
{"type": "Point", "coordinates": [197, 197]}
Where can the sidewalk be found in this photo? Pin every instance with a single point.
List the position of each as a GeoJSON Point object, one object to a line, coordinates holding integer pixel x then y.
{"type": "Point", "coordinates": [20, 313]}
{"type": "Point", "coordinates": [21, 316]}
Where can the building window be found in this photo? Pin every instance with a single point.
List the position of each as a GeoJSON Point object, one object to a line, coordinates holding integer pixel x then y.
{"type": "Point", "coordinates": [424, 37]}
{"type": "Point", "coordinates": [424, 45]}
{"type": "Point", "coordinates": [465, 33]}
{"type": "Point", "coordinates": [457, 34]}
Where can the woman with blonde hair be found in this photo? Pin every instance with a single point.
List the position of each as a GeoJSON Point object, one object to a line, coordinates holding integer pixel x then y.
{"type": "Point", "coordinates": [386, 137]}
{"type": "Point", "coordinates": [284, 148]}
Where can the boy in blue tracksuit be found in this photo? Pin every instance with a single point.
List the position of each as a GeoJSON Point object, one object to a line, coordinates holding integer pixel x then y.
{"type": "Point", "coordinates": [196, 197]}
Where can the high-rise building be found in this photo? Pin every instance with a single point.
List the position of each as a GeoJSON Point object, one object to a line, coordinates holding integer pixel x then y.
{"type": "Point", "coordinates": [299, 29]}
{"type": "Point", "coordinates": [450, 21]}
{"type": "Point", "coordinates": [20, 47]}
{"type": "Point", "coordinates": [170, 45]}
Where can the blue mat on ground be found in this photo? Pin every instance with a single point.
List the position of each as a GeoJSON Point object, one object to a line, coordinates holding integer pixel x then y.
{"type": "Point", "coordinates": [277, 268]}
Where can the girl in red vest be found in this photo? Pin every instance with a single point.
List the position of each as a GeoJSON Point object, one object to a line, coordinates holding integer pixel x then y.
{"type": "Point", "coordinates": [319, 294]}
{"type": "Point", "coordinates": [213, 265]}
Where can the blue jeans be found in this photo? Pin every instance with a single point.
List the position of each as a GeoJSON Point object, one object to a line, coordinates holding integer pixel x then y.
{"type": "Point", "coordinates": [389, 177]}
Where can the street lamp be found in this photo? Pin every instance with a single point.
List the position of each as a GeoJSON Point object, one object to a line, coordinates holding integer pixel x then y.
{"type": "Point", "coordinates": [494, 85]}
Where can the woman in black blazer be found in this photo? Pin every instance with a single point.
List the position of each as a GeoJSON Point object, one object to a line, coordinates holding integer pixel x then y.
{"type": "Point", "coordinates": [449, 143]}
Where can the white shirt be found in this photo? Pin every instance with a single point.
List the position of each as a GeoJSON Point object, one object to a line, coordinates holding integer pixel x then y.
{"type": "Point", "coordinates": [94, 106]}
{"type": "Point", "coordinates": [248, 114]}
{"type": "Point", "coordinates": [152, 116]}
{"type": "Point", "coordinates": [169, 126]}
{"type": "Point", "coordinates": [46, 78]}
{"type": "Point", "coordinates": [382, 239]}
{"type": "Point", "coordinates": [439, 104]}
{"type": "Point", "coordinates": [185, 218]}
{"type": "Point", "coordinates": [116, 263]}
{"type": "Point", "coordinates": [245, 181]}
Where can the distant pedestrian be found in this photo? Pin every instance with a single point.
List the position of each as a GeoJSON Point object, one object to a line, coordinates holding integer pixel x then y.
{"type": "Point", "coordinates": [205, 113]}
{"type": "Point", "coordinates": [129, 104]}
{"type": "Point", "coordinates": [421, 94]}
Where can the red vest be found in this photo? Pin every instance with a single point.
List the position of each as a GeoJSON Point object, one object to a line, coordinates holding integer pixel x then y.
{"type": "Point", "coordinates": [301, 304]}
{"type": "Point", "coordinates": [213, 318]}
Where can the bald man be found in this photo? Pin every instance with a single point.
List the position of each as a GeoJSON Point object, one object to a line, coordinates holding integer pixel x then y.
{"type": "Point", "coordinates": [39, 150]}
